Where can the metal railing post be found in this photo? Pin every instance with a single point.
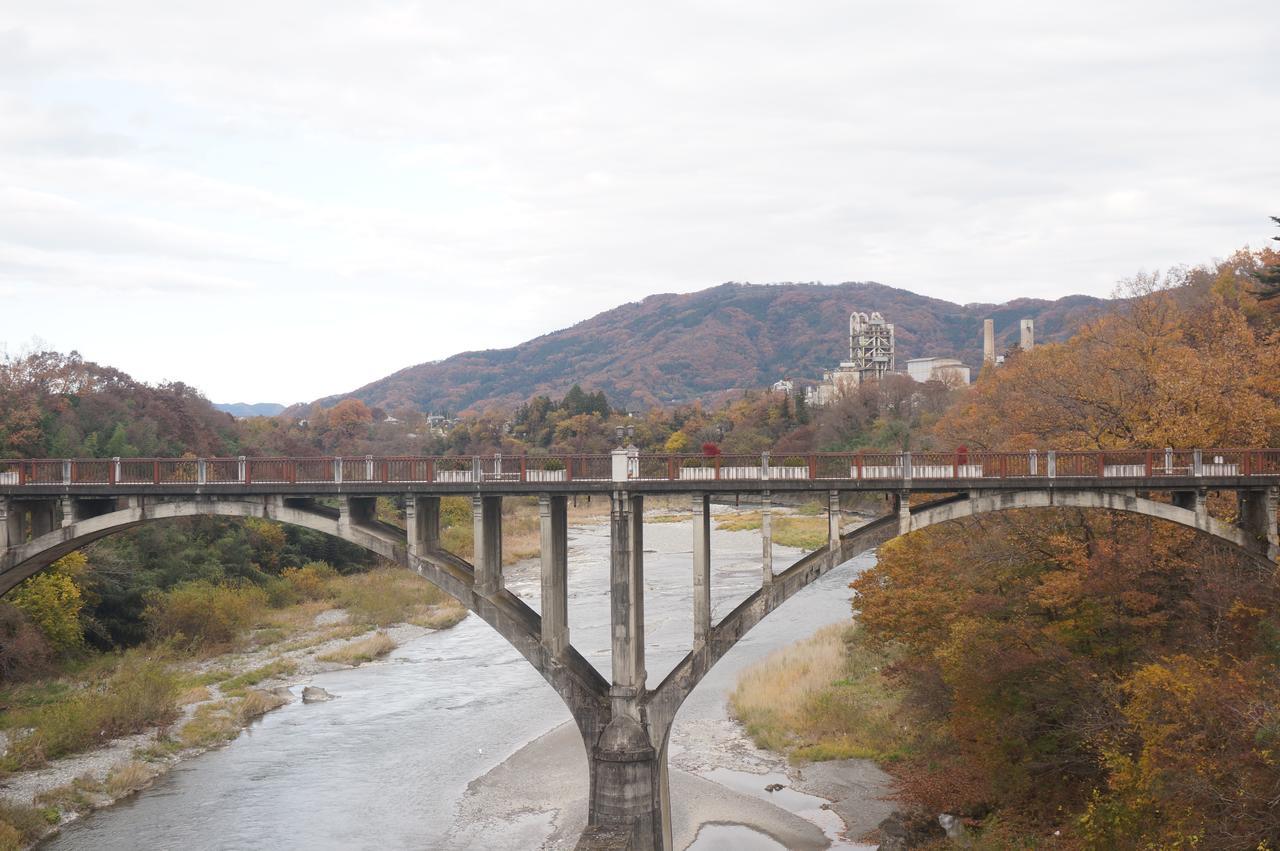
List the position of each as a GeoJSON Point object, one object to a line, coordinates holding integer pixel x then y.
{"type": "Point", "coordinates": [66, 472]}
{"type": "Point", "coordinates": [1197, 463]}
{"type": "Point", "coordinates": [115, 467]}
{"type": "Point", "coordinates": [337, 470]}
{"type": "Point", "coordinates": [764, 465]}
{"type": "Point", "coordinates": [242, 470]}
{"type": "Point", "coordinates": [1033, 462]}
{"type": "Point", "coordinates": [1168, 460]}
{"type": "Point", "coordinates": [906, 466]}
{"type": "Point", "coordinates": [368, 468]}
{"type": "Point", "coordinates": [202, 471]}
{"type": "Point", "coordinates": [1051, 464]}
{"type": "Point", "coordinates": [477, 472]}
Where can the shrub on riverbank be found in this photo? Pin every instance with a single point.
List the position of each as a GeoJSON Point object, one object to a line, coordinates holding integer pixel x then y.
{"type": "Point", "coordinates": [21, 826]}
{"type": "Point", "coordinates": [141, 693]}
{"type": "Point", "coordinates": [822, 698]}
{"type": "Point", "coordinates": [203, 615]}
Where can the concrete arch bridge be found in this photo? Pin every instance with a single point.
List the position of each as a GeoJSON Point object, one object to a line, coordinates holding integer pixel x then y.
{"type": "Point", "coordinates": [49, 508]}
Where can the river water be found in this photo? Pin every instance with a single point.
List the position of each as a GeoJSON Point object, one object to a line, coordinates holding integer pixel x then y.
{"type": "Point", "coordinates": [387, 764]}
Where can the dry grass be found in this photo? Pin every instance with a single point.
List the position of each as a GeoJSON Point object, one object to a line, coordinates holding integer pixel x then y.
{"type": "Point", "coordinates": [212, 724]}
{"type": "Point", "coordinates": [345, 630]}
{"type": "Point", "coordinates": [79, 796]}
{"type": "Point", "coordinates": [278, 668]}
{"type": "Point", "coordinates": [822, 698]}
{"type": "Point", "coordinates": [195, 694]}
{"type": "Point", "coordinates": [802, 532]}
{"type": "Point", "coordinates": [257, 703]}
{"type": "Point", "coordinates": [386, 596]}
{"type": "Point", "coordinates": [127, 778]}
{"type": "Point", "coordinates": [357, 652]}
{"type": "Point", "coordinates": [441, 617]}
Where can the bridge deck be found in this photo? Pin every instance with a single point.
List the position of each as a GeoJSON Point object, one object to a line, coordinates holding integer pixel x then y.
{"type": "Point", "coordinates": [935, 472]}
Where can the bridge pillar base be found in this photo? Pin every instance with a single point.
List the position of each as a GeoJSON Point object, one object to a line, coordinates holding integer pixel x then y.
{"type": "Point", "coordinates": [629, 788]}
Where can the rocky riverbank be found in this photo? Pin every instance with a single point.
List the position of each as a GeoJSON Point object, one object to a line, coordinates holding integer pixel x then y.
{"type": "Point", "coordinates": [227, 693]}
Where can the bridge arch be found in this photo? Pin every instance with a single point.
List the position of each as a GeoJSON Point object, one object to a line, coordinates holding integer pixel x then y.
{"type": "Point", "coordinates": [572, 676]}
{"type": "Point", "coordinates": [665, 700]}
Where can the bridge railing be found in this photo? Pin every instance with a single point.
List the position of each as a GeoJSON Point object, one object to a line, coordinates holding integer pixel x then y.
{"type": "Point", "coordinates": [862, 465]}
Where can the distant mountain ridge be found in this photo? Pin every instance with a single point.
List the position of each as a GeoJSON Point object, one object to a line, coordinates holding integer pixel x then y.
{"type": "Point", "coordinates": [675, 348]}
{"type": "Point", "coordinates": [246, 409]}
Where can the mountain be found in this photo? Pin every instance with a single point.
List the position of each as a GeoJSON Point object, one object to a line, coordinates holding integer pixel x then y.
{"type": "Point", "coordinates": [246, 409]}
{"type": "Point", "coordinates": [680, 347]}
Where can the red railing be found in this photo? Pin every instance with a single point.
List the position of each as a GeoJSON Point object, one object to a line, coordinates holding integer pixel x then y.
{"type": "Point", "coordinates": [862, 465]}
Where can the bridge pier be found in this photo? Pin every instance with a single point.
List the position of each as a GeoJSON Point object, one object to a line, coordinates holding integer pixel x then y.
{"type": "Point", "coordinates": [701, 568]}
{"type": "Point", "coordinates": [1258, 519]}
{"type": "Point", "coordinates": [629, 793]}
{"type": "Point", "coordinates": [833, 526]}
{"type": "Point", "coordinates": [422, 523]}
{"type": "Point", "coordinates": [553, 512]}
{"type": "Point", "coordinates": [486, 515]}
{"type": "Point", "coordinates": [766, 534]}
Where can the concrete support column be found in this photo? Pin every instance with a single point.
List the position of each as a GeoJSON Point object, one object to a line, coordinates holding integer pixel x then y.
{"type": "Point", "coordinates": [486, 514]}
{"type": "Point", "coordinates": [766, 534]}
{"type": "Point", "coordinates": [68, 506]}
{"type": "Point", "coordinates": [701, 568]}
{"type": "Point", "coordinates": [904, 512]}
{"type": "Point", "coordinates": [10, 524]}
{"type": "Point", "coordinates": [355, 511]}
{"type": "Point", "coordinates": [422, 523]}
{"type": "Point", "coordinates": [1202, 509]}
{"type": "Point", "coordinates": [628, 779]}
{"type": "Point", "coordinates": [554, 514]}
{"type": "Point", "coordinates": [833, 527]}
{"type": "Point", "coordinates": [626, 581]}
{"type": "Point", "coordinates": [44, 517]}
{"type": "Point", "coordinates": [1258, 518]}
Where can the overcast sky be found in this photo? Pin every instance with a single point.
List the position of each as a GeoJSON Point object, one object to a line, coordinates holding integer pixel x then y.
{"type": "Point", "coordinates": [275, 201]}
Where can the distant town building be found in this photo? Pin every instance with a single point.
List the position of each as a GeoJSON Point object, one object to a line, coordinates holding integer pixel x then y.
{"type": "Point", "coordinates": [988, 341]}
{"type": "Point", "coordinates": [1028, 335]}
{"type": "Point", "coordinates": [947, 370]}
{"type": "Point", "coordinates": [1026, 339]}
{"type": "Point", "coordinates": [786, 385]}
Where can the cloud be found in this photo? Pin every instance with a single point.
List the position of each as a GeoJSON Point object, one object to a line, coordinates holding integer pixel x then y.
{"type": "Point", "coordinates": [470, 175]}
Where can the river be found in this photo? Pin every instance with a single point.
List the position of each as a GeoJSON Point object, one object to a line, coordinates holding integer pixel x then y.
{"type": "Point", "coordinates": [391, 763]}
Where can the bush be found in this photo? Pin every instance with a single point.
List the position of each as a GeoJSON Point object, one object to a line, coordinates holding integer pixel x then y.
{"type": "Point", "coordinates": [311, 581]}
{"type": "Point", "coordinates": [20, 826]}
{"type": "Point", "coordinates": [141, 693]}
{"type": "Point", "coordinates": [24, 651]}
{"type": "Point", "coordinates": [203, 614]}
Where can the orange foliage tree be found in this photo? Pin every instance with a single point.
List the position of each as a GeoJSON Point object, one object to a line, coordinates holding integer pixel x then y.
{"type": "Point", "coordinates": [1113, 677]}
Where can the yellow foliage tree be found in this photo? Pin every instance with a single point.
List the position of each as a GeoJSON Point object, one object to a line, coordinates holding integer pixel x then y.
{"type": "Point", "coordinates": [52, 600]}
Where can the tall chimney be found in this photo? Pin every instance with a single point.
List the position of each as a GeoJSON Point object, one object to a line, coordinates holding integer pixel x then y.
{"type": "Point", "coordinates": [1028, 334]}
{"type": "Point", "coordinates": [988, 341]}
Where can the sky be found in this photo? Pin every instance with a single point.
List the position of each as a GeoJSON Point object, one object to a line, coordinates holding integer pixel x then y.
{"type": "Point", "coordinates": [279, 200]}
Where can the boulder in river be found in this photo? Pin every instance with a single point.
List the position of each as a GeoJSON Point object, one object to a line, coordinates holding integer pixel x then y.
{"type": "Point", "coordinates": [315, 694]}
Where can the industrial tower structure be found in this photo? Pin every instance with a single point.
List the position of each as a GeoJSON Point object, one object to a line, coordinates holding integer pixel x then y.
{"type": "Point", "coordinates": [870, 345]}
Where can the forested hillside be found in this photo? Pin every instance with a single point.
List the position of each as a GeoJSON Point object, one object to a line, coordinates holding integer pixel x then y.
{"type": "Point", "coordinates": [1082, 678]}
{"type": "Point", "coordinates": [699, 346]}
